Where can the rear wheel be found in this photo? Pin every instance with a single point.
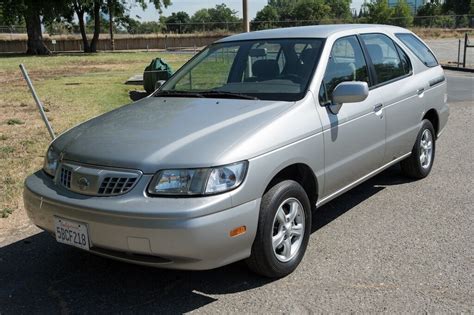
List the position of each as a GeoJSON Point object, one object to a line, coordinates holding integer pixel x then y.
{"type": "Point", "coordinates": [418, 165]}
{"type": "Point", "coordinates": [283, 230]}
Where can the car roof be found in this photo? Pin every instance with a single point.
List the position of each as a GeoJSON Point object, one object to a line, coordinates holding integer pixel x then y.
{"type": "Point", "coordinates": [314, 31]}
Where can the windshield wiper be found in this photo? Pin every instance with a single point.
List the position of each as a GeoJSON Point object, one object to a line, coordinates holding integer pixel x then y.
{"type": "Point", "coordinates": [173, 93]}
{"type": "Point", "coordinates": [225, 94]}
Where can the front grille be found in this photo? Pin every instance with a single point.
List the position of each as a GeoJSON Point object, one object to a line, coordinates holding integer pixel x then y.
{"type": "Point", "coordinates": [93, 181]}
{"type": "Point", "coordinates": [65, 177]}
{"type": "Point", "coordinates": [116, 185]}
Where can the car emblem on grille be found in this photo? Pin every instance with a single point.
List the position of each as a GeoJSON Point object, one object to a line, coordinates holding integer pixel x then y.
{"type": "Point", "coordinates": [83, 183]}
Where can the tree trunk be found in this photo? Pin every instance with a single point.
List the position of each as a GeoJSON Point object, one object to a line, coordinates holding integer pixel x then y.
{"type": "Point", "coordinates": [35, 44]}
{"type": "Point", "coordinates": [80, 17]}
{"type": "Point", "coordinates": [111, 23]}
{"type": "Point", "coordinates": [95, 38]}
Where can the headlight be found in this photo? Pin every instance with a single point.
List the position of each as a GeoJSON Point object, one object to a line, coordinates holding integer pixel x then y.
{"type": "Point", "coordinates": [51, 161]}
{"type": "Point", "coordinates": [203, 181]}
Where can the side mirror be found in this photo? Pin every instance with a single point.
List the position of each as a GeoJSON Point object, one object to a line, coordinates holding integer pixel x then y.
{"type": "Point", "coordinates": [350, 92]}
{"type": "Point", "coordinates": [159, 83]}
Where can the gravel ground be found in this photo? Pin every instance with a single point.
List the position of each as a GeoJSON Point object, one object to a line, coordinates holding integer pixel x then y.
{"type": "Point", "coordinates": [389, 245]}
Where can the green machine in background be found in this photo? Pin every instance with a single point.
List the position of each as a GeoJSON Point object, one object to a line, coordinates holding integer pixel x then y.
{"type": "Point", "coordinates": [156, 71]}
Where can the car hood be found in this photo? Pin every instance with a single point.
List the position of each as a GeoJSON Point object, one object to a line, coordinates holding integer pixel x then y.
{"type": "Point", "coordinates": [157, 133]}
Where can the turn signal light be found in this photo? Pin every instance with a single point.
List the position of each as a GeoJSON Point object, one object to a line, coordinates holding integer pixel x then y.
{"type": "Point", "coordinates": [238, 231]}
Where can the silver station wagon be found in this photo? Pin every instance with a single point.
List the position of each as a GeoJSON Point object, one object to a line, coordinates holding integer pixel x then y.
{"type": "Point", "coordinates": [229, 158]}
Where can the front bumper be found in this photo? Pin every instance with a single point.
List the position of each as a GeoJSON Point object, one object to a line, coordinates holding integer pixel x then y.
{"type": "Point", "coordinates": [179, 233]}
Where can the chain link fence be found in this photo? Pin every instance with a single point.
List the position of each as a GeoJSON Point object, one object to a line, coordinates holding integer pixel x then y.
{"type": "Point", "coordinates": [441, 32]}
{"type": "Point", "coordinates": [440, 21]}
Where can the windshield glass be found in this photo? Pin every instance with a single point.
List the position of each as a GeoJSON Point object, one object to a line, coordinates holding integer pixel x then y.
{"type": "Point", "coordinates": [272, 69]}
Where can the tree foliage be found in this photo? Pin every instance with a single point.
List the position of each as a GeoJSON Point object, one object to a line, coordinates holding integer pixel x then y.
{"type": "Point", "coordinates": [340, 9]}
{"type": "Point", "coordinates": [177, 22]}
{"type": "Point", "coordinates": [301, 10]}
{"type": "Point", "coordinates": [219, 17]}
{"type": "Point", "coordinates": [402, 15]}
{"type": "Point", "coordinates": [56, 14]}
{"type": "Point", "coordinates": [437, 13]}
{"type": "Point", "coordinates": [459, 7]}
{"type": "Point", "coordinates": [378, 12]}
{"type": "Point", "coordinates": [311, 10]}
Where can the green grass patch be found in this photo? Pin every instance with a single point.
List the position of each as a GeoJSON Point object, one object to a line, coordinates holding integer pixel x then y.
{"type": "Point", "coordinates": [14, 121]}
{"type": "Point", "coordinates": [7, 149]}
{"type": "Point", "coordinates": [6, 212]}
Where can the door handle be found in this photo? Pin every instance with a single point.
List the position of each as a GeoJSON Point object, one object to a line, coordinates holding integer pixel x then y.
{"type": "Point", "coordinates": [420, 91]}
{"type": "Point", "coordinates": [378, 107]}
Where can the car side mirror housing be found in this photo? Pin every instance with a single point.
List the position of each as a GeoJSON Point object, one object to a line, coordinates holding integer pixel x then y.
{"type": "Point", "coordinates": [350, 92]}
{"type": "Point", "coordinates": [159, 83]}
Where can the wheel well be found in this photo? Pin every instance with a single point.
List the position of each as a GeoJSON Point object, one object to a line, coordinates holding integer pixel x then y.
{"type": "Point", "coordinates": [432, 116]}
{"type": "Point", "coordinates": [302, 174]}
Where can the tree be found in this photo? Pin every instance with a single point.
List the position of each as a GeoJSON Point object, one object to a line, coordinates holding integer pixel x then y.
{"type": "Point", "coordinates": [33, 13]}
{"type": "Point", "coordinates": [177, 22]}
{"type": "Point", "coordinates": [266, 18]}
{"type": "Point", "coordinates": [296, 10]}
{"type": "Point", "coordinates": [222, 13]}
{"type": "Point", "coordinates": [340, 9]}
{"type": "Point", "coordinates": [94, 9]}
{"type": "Point", "coordinates": [378, 12]}
{"type": "Point", "coordinates": [402, 15]}
{"type": "Point", "coordinates": [459, 7]}
{"type": "Point", "coordinates": [311, 10]}
{"type": "Point", "coordinates": [284, 8]}
{"type": "Point", "coordinates": [213, 18]}
{"type": "Point", "coordinates": [91, 7]}
{"type": "Point", "coordinates": [431, 8]}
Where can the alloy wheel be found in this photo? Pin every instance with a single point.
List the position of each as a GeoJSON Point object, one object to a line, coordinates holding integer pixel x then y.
{"type": "Point", "coordinates": [288, 229]}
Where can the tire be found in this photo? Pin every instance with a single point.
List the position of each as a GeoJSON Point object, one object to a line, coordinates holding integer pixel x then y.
{"type": "Point", "coordinates": [416, 166]}
{"type": "Point", "coordinates": [287, 196]}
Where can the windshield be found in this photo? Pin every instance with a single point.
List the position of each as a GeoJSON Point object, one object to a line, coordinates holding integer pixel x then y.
{"type": "Point", "coordinates": [271, 69]}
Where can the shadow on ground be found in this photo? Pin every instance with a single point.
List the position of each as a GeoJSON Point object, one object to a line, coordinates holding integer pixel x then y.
{"type": "Point", "coordinates": [37, 275]}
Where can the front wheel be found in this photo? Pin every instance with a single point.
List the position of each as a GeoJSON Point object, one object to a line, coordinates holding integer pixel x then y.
{"type": "Point", "coordinates": [418, 165]}
{"type": "Point", "coordinates": [283, 230]}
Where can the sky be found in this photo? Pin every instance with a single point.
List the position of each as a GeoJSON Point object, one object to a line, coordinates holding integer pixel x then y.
{"type": "Point", "coordinates": [190, 6]}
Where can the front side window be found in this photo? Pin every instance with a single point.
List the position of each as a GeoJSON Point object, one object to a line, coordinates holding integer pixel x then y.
{"type": "Point", "coordinates": [346, 63]}
{"type": "Point", "coordinates": [273, 69]}
{"type": "Point", "coordinates": [384, 56]}
{"type": "Point", "coordinates": [419, 49]}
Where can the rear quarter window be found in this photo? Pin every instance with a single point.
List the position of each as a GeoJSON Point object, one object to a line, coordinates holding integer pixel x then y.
{"type": "Point", "coordinates": [419, 49]}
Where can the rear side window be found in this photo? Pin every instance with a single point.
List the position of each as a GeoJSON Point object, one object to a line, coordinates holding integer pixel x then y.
{"type": "Point", "coordinates": [419, 49]}
{"type": "Point", "coordinates": [385, 57]}
{"type": "Point", "coordinates": [346, 63]}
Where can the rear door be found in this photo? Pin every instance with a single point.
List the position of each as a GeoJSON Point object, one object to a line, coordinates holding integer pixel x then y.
{"type": "Point", "coordinates": [402, 93]}
{"type": "Point", "coordinates": [354, 134]}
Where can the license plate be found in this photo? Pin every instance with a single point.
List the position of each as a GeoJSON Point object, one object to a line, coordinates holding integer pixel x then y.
{"type": "Point", "coordinates": [71, 233]}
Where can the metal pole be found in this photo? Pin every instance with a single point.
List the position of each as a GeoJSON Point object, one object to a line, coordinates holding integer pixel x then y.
{"type": "Point", "coordinates": [459, 54]}
{"type": "Point", "coordinates": [245, 13]}
{"type": "Point", "coordinates": [465, 50]}
{"type": "Point", "coordinates": [38, 102]}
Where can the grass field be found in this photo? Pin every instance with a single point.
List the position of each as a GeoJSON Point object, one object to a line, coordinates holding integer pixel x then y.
{"type": "Point", "coordinates": [73, 88]}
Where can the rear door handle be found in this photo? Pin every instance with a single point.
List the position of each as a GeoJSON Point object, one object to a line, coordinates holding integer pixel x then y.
{"type": "Point", "coordinates": [378, 107]}
{"type": "Point", "coordinates": [420, 91]}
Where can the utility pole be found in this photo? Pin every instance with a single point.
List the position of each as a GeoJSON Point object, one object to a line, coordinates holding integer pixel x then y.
{"type": "Point", "coordinates": [245, 12]}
